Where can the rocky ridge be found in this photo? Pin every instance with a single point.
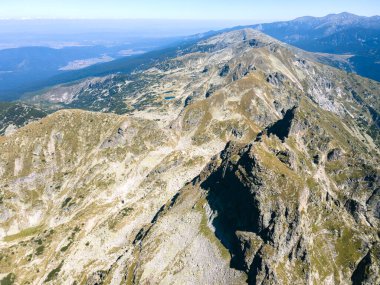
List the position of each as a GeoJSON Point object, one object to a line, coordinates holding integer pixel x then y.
{"type": "Point", "coordinates": [92, 198]}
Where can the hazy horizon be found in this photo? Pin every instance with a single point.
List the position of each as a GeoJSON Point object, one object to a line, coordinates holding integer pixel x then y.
{"type": "Point", "coordinates": [269, 10]}
{"type": "Point", "coordinates": [59, 33]}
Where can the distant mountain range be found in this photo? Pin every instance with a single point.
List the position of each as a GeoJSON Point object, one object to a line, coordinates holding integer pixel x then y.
{"type": "Point", "coordinates": [343, 33]}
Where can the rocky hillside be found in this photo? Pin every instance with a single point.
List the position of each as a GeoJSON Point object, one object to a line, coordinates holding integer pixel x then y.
{"type": "Point", "coordinates": [241, 160]}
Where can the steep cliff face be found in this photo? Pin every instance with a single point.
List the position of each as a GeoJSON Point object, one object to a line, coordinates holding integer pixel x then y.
{"type": "Point", "coordinates": [241, 160]}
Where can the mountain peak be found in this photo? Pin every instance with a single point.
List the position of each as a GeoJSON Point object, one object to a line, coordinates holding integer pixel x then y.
{"type": "Point", "coordinates": [344, 16]}
{"type": "Point", "coordinates": [236, 37]}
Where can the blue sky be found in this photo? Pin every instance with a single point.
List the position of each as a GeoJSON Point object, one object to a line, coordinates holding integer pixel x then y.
{"type": "Point", "coordinates": [257, 10]}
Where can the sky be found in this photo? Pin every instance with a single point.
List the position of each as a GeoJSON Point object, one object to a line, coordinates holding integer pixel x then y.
{"type": "Point", "coordinates": [237, 10]}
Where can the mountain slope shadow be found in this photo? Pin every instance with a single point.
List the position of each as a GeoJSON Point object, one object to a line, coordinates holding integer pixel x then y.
{"type": "Point", "coordinates": [232, 197]}
{"type": "Point", "coordinates": [281, 128]}
{"type": "Point", "coordinates": [233, 190]}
